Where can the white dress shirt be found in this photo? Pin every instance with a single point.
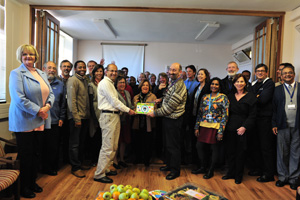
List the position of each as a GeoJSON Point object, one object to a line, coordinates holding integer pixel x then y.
{"type": "Point", "coordinates": [108, 97]}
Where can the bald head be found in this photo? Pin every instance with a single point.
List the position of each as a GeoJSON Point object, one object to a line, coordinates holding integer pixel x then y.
{"type": "Point", "coordinates": [175, 71]}
{"type": "Point", "coordinates": [112, 71]}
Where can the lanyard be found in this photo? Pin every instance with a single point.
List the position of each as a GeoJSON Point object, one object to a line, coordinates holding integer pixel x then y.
{"type": "Point", "coordinates": [210, 101]}
{"type": "Point", "coordinates": [291, 95]}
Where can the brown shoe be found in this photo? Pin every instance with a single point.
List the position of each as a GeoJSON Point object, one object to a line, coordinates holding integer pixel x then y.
{"type": "Point", "coordinates": [78, 173]}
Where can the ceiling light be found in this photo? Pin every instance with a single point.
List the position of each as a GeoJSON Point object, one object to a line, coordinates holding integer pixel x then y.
{"type": "Point", "coordinates": [104, 26]}
{"type": "Point", "coordinates": [207, 31]}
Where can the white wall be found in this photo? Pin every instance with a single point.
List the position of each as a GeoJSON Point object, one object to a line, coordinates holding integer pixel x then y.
{"type": "Point", "coordinates": [17, 33]}
{"type": "Point", "coordinates": [160, 55]}
{"type": "Point", "coordinates": [291, 40]}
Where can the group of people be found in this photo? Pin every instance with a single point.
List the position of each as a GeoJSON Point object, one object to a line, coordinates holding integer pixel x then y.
{"type": "Point", "coordinates": [195, 119]}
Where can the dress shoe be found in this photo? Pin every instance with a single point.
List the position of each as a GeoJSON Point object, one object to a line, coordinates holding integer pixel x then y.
{"type": "Point", "coordinates": [78, 173]}
{"type": "Point", "coordinates": [200, 170]}
{"type": "Point", "coordinates": [209, 174]}
{"type": "Point", "coordinates": [264, 179]}
{"type": "Point", "coordinates": [280, 183]}
{"type": "Point", "coordinates": [165, 168]}
{"type": "Point", "coordinates": [226, 177]}
{"type": "Point", "coordinates": [104, 179]}
{"type": "Point", "coordinates": [116, 166]}
{"type": "Point", "coordinates": [293, 186]}
{"type": "Point", "coordinates": [254, 173]}
{"type": "Point", "coordinates": [111, 173]}
{"type": "Point", "coordinates": [238, 181]}
{"type": "Point", "coordinates": [85, 167]}
{"type": "Point", "coordinates": [36, 188]}
{"type": "Point", "coordinates": [27, 193]}
{"type": "Point", "coordinates": [172, 175]}
{"type": "Point", "coordinates": [52, 173]}
{"type": "Point", "coordinates": [123, 164]}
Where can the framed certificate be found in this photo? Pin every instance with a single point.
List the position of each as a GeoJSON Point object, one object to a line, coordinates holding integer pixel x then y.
{"type": "Point", "coordinates": [144, 108]}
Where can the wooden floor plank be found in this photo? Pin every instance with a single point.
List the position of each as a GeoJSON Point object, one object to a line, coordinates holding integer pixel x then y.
{"type": "Point", "coordinates": [66, 186]}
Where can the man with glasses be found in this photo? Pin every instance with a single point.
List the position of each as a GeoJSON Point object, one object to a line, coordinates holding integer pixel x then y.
{"type": "Point", "coordinates": [262, 140]}
{"type": "Point", "coordinates": [110, 107]}
{"type": "Point", "coordinates": [285, 122]}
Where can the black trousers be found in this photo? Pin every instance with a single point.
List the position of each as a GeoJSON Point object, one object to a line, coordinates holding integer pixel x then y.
{"type": "Point", "coordinates": [172, 128]}
{"type": "Point", "coordinates": [64, 140]}
{"type": "Point", "coordinates": [143, 145]}
{"type": "Point", "coordinates": [202, 149]}
{"type": "Point", "coordinates": [236, 153]}
{"type": "Point", "coordinates": [27, 144]}
{"type": "Point", "coordinates": [50, 148]}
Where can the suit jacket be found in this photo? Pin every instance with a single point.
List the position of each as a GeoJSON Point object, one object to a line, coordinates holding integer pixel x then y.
{"type": "Point", "coordinates": [227, 85]}
{"type": "Point", "coordinates": [279, 118]}
{"type": "Point", "coordinates": [26, 100]}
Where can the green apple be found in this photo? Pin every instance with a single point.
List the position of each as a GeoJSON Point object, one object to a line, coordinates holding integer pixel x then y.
{"type": "Point", "coordinates": [113, 190]}
{"type": "Point", "coordinates": [145, 191]}
{"type": "Point", "coordinates": [128, 187]}
{"type": "Point", "coordinates": [121, 188]}
{"type": "Point", "coordinates": [113, 186]}
{"type": "Point", "coordinates": [144, 196]}
{"type": "Point", "coordinates": [107, 196]}
{"type": "Point", "coordinates": [129, 192]}
{"type": "Point", "coordinates": [136, 190]}
{"type": "Point", "coordinates": [123, 196]}
{"type": "Point", "coordinates": [134, 196]}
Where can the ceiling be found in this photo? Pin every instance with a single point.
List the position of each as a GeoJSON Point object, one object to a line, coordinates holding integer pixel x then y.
{"type": "Point", "coordinates": [162, 27]}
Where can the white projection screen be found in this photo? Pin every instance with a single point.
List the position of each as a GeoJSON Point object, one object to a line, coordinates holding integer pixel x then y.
{"type": "Point", "coordinates": [125, 55]}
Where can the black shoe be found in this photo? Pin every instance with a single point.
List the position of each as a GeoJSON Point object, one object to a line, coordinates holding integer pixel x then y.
{"type": "Point", "coordinates": [209, 174]}
{"type": "Point", "coordinates": [85, 167]}
{"type": "Point", "coordinates": [254, 173]}
{"type": "Point", "coordinates": [280, 183]}
{"type": "Point", "coordinates": [238, 181]}
{"type": "Point", "coordinates": [111, 173]}
{"type": "Point", "coordinates": [172, 175]}
{"type": "Point", "coordinates": [104, 179]}
{"type": "Point", "coordinates": [165, 169]}
{"type": "Point", "coordinates": [116, 166]}
{"type": "Point", "coordinates": [226, 177]}
{"type": "Point", "coordinates": [201, 170]}
{"type": "Point", "coordinates": [52, 172]}
{"type": "Point", "coordinates": [293, 186]}
{"type": "Point", "coordinates": [36, 188]}
{"type": "Point", "coordinates": [123, 164]}
{"type": "Point", "coordinates": [27, 193]}
{"type": "Point", "coordinates": [264, 179]}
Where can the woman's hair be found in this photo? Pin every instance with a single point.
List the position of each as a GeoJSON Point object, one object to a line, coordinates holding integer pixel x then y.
{"type": "Point", "coordinates": [28, 47]}
{"type": "Point", "coordinates": [220, 84]}
{"type": "Point", "coordinates": [95, 70]}
{"type": "Point", "coordinates": [237, 76]}
{"type": "Point", "coordinates": [141, 84]}
{"type": "Point", "coordinates": [118, 79]}
{"type": "Point", "coordinates": [163, 74]}
{"type": "Point", "coordinates": [207, 79]}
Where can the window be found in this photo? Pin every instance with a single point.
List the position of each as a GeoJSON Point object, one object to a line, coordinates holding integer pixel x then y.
{"type": "Point", "coordinates": [65, 49]}
{"type": "Point", "coordinates": [2, 53]}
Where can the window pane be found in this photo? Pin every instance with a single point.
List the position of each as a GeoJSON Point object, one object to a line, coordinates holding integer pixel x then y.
{"type": "Point", "coordinates": [2, 53]}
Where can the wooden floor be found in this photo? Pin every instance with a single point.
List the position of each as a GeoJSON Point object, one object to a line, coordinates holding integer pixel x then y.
{"type": "Point", "coordinates": [67, 186]}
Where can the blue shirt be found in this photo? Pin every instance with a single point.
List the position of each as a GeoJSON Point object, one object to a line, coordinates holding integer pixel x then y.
{"type": "Point", "coordinates": [59, 108]}
{"type": "Point", "coordinates": [190, 86]}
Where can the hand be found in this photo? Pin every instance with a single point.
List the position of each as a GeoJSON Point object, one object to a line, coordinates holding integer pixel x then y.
{"type": "Point", "coordinates": [161, 86]}
{"type": "Point", "coordinates": [60, 123]}
{"type": "Point", "coordinates": [131, 112]}
{"type": "Point", "coordinates": [151, 114]}
{"type": "Point", "coordinates": [78, 124]}
{"type": "Point", "coordinates": [241, 130]}
{"type": "Point", "coordinates": [275, 131]}
{"type": "Point", "coordinates": [102, 61]}
{"type": "Point", "coordinates": [42, 114]}
{"type": "Point", "coordinates": [197, 132]}
{"type": "Point", "coordinates": [220, 137]}
{"type": "Point", "coordinates": [158, 101]}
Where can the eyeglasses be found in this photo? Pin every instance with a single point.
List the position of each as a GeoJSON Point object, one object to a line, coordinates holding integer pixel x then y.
{"type": "Point", "coordinates": [286, 73]}
{"type": "Point", "coordinates": [113, 71]}
{"type": "Point", "coordinates": [258, 71]}
{"type": "Point", "coordinates": [28, 54]}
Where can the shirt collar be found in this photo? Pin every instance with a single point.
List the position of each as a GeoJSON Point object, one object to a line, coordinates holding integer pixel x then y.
{"type": "Point", "coordinates": [293, 84]}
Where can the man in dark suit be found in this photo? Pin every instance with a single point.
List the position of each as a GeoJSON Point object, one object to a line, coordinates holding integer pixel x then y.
{"type": "Point", "coordinates": [232, 69]}
{"type": "Point", "coordinates": [285, 123]}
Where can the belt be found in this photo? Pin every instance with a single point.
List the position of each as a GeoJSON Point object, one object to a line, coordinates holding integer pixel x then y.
{"type": "Point", "coordinates": [108, 111]}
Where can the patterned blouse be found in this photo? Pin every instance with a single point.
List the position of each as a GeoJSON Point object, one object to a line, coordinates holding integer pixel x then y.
{"type": "Point", "coordinates": [219, 110]}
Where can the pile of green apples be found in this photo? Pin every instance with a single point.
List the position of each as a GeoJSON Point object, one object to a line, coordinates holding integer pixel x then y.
{"type": "Point", "coordinates": [121, 192]}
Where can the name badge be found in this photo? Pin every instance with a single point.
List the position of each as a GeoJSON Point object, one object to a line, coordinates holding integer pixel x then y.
{"type": "Point", "coordinates": [209, 118]}
{"type": "Point", "coordinates": [292, 107]}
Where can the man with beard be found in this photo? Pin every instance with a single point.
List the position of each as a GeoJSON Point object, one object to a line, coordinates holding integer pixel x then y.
{"type": "Point", "coordinates": [78, 114]}
{"type": "Point", "coordinates": [51, 138]}
{"type": "Point", "coordinates": [172, 109]}
{"type": "Point", "coordinates": [65, 67]}
{"type": "Point", "coordinates": [285, 123]}
{"type": "Point", "coordinates": [232, 69]}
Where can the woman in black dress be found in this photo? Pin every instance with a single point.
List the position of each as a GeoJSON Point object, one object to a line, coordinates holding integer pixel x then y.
{"type": "Point", "coordinates": [242, 113]}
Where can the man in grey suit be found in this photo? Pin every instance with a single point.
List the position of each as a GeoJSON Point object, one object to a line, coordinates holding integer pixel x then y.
{"type": "Point", "coordinates": [285, 123]}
